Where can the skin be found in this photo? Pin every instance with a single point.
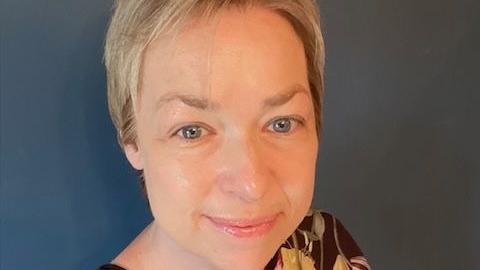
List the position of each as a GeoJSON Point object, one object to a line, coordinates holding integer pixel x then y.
{"type": "Point", "coordinates": [240, 166]}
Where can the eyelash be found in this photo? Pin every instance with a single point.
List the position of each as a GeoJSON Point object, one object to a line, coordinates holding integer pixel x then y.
{"type": "Point", "coordinates": [297, 119]}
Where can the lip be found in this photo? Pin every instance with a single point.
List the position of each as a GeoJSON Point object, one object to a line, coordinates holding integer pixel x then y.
{"type": "Point", "coordinates": [244, 228]}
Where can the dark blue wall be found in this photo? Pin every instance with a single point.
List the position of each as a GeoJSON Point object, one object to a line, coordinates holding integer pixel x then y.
{"type": "Point", "coordinates": [399, 163]}
{"type": "Point", "coordinates": [68, 198]}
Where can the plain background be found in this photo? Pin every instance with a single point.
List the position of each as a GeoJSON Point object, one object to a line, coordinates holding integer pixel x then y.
{"type": "Point", "coordinates": [399, 163]}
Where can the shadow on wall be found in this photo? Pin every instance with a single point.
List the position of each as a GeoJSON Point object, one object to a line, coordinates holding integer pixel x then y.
{"type": "Point", "coordinates": [398, 158]}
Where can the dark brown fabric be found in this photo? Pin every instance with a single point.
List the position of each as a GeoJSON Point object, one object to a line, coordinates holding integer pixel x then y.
{"type": "Point", "coordinates": [110, 267]}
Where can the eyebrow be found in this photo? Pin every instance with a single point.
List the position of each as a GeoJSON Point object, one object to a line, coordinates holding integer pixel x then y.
{"type": "Point", "coordinates": [205, 104]}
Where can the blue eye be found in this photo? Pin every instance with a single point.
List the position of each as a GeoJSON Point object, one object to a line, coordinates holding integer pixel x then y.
{"type": "Point", "coordinates": [192, 132]}
{"type": "Point", "coordinates": [285, 124]}
{"type": "Point", "coordinates": [282, 125]}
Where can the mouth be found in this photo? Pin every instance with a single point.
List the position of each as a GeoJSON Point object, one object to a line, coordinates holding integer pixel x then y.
{"type": "Point", "coordinates": [244, 228]}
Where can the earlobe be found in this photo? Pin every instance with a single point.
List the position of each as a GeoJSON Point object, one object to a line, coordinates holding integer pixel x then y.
{"type": "Point", "coordinates": [133, 155]}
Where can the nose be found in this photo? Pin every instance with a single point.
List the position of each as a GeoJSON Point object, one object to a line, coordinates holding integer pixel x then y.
{"type": "Point", "coordinates": [244, 172]}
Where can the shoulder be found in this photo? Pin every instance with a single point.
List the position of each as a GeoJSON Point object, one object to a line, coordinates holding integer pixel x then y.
{"type": "Point", "coordinates": [131, 256]}
{"type": "Point", "coordinates": [325, 239]}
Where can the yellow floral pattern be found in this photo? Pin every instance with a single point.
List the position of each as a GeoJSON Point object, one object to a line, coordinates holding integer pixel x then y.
{"type": "Point", "coordinates": [294, 259]}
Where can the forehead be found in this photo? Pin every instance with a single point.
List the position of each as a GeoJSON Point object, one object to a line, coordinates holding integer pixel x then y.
{"type": "Point", "coordinates": [234, 50]}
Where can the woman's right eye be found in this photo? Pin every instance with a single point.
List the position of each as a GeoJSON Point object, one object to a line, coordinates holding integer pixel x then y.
{"type": "Point", "coordinates": [190, 132]}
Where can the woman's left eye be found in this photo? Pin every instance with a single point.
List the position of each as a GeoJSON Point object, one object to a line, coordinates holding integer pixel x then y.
{"type": "Point", "coordinates": [285, 125]}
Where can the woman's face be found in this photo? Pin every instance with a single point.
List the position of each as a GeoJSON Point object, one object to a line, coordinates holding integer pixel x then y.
{"type": "Point", "coordinates": [226, 134]}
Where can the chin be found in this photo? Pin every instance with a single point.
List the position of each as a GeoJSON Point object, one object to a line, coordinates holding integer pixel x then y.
{"type": "Point", "coordinates": [252, 258]}
{"type": "Point", "coordinates": [242, 262]}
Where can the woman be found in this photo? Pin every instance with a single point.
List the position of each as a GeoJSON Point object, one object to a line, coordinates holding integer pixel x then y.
{"type": "Point", "coordinates": [218, 105]}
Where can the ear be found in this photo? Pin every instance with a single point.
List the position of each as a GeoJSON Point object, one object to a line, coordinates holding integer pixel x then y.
{"type": "Point", "coordinates": [134, 156]}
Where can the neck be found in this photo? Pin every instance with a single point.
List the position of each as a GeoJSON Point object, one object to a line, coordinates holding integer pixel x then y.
{"type": "Point", "coordinates": [163, 252]}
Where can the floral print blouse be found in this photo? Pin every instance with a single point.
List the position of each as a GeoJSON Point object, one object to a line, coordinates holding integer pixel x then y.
{"type": "Point", "coordinates": [319, 243]}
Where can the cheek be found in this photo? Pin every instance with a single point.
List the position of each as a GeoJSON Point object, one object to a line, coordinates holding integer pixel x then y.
{"type": "Point", "coordinates": [175, 182]}
{"type": "Point", "coordinates": [296, 168]}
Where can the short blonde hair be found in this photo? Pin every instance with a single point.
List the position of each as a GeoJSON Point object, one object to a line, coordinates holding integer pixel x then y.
{"type": "Point", "coordinates": [136, 23]}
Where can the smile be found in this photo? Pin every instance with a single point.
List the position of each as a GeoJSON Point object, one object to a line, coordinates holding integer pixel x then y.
{"type": "Point", "coordinates": [244, 228]}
